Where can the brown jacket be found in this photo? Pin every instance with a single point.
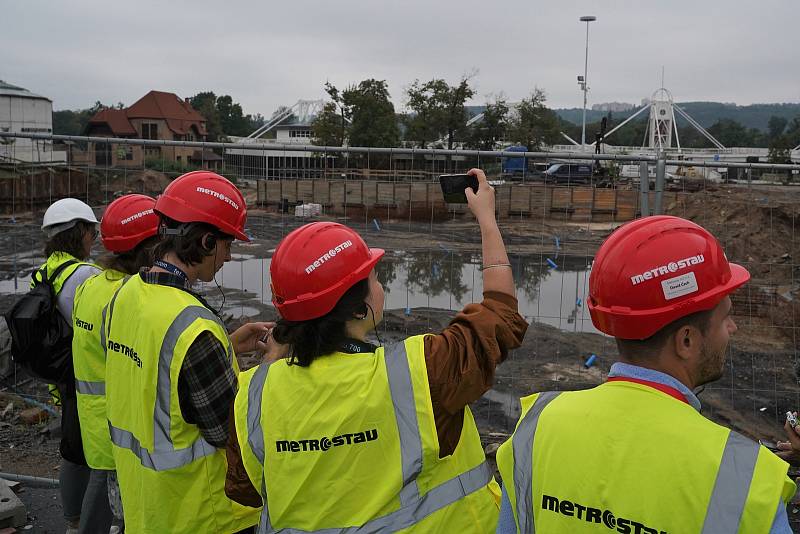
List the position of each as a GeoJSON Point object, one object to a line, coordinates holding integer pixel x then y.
{"type": "Point", "coordinates": [461, 363]}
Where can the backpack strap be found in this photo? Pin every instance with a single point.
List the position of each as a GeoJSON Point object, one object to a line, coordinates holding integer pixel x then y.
{"type": "Point", "coordinates": [43, 272]}
{"type": "Point", "coordinates": [59, 270]}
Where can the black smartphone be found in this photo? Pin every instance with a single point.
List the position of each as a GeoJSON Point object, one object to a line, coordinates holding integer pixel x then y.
{"type": "Point", "coordinates": [453, 186]}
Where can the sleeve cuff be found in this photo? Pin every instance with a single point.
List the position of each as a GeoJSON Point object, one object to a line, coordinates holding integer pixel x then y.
{"type": "Point", "coordinates": [503, 298]}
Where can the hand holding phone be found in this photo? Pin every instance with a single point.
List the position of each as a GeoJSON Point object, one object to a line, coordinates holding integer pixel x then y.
{"type": "Point", "coordinates": [454, 185]}
{"type": "Point", "coordinates": [791, 419]}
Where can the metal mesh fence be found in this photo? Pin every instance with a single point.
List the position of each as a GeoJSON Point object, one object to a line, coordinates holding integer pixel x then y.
{"type": "Point", "coordinates": [552, 223]}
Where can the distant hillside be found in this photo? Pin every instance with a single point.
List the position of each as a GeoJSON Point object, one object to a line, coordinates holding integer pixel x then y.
{"type": "Point", "coordinates": [706, 113]}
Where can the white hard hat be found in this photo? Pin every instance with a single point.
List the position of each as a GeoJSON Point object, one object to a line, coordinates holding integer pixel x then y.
{"type": "Point", "coordinates": [63, 214]}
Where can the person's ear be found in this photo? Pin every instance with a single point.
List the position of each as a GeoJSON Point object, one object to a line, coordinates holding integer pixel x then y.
{"type": "Point", "coordinates": [688, 342]}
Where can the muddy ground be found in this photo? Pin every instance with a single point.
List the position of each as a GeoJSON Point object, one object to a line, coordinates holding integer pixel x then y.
{"type": "Point", "coordinates": [756, 227]}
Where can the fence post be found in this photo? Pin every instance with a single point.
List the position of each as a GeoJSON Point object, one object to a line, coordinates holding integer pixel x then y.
{"type": "Point", "coordinates": [644, 189]}
{"type": "Point", "coordinates": [661, 167]}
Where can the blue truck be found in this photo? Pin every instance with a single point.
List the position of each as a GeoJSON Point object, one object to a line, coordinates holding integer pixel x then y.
{"type": "Point", "coordinates": [520, 168]}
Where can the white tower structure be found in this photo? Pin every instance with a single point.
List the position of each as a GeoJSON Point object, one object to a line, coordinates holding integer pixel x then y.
{"type": "Point", "coordinates": [662, 121]}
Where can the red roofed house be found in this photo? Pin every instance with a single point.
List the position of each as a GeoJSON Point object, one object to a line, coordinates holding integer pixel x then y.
{"type": "Point", "coordinates": [157, 115]}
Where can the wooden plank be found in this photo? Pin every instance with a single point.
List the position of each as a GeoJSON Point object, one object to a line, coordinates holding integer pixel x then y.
{"type": "Point", "coordinates": [561, 198]}
{"type": "Point", "coordinates": [337, 195]}
{"type": "Point", "coordinates": [305, 192]}
{"type": "Point", "coordinates": [582, 197]}
{"type": "Point", "coordinates": [353, 190]}
{"type": "Point", "coordinates": [520, 200]}
{"type": "Point", "coordinates": [419, 193]}
{"type": "Point", "coordinates": [627, 205]}
{"type": "Point", "coordinates": [272, 190]}
{"type": "Point", "coordinates": [402, 193]}
{"type": "Point", "coordinates": [385, 194]}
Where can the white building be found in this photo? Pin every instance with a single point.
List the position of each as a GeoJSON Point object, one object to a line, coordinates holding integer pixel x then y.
{"type": "Point", "coordinates": [290, 126]}
{"type": "Point", "coordinates": [22, 111]}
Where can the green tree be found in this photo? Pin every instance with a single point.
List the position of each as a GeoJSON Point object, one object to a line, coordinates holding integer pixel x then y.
{"type": "Point", "coordinates": [205, 103]}
{"type": "Point", "coordinates": [360, 115]}
{"type": "Point", "coordinates": [326, 128]}
{"type": "Point", "coordinates": [732, 133]}
{"type": "Point", "coordinates": [491, 128]}
{"type": "Point", "coordinates": [533, 124]}
{"type": "Point", "coordinates": [223, 115]}
{"type": "Point", "coordinates": [74, 122]}
{"type": "Point", "coordinates": [438, 110]}
{"type": "Point", "coordinates": [330, 127]}
{"type": "Point", "coordinates": [371, 113]}
{"type": "Point", "coordinates": [776, 126]}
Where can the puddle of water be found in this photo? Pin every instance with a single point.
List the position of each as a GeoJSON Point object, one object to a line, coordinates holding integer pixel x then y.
{"type": "Point", "coordinates": [432, 279]}
{"type": "Point", "coordinates": [447, 280]}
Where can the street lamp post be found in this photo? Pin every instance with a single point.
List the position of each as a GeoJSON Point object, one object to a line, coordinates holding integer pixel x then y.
{"type": "Point", "coordinates": [583, 81]}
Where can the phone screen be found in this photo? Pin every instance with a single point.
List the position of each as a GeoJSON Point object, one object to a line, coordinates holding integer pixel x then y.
{"type": "Point", "coordinates": [453, 186]}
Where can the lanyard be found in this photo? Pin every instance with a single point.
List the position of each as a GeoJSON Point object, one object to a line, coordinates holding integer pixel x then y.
{"type": "Point", "coordinates": [669, 390]}
{"type": "Point", "coordinates": [174, 269]}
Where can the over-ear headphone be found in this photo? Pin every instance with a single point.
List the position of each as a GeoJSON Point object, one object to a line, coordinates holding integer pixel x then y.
{"type": "Point", "coordinates": [209, 242]}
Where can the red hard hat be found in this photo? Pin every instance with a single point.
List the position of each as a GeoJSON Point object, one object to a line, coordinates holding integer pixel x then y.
{"type": "Point", "coordinates": [204, 196]}
{"type": "Point", "coordinates": [315, 265]}
{"type": "Point", "coordinates": [128, 221]}
{"type": "Point", "coordinates": [654, 270]}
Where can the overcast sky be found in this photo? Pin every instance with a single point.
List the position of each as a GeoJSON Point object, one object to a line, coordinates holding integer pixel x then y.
{"type": "Point", "coordinates": [269, 53]}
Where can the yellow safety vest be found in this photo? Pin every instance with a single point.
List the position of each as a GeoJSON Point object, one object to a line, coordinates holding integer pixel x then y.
{"type": "Point", "coordinates": [170, 478]}
{"type": "Point", "coordinates": [350, 442]}
{"type": "Point", "coordinates": [89, 362]}
{"type": "Point", "coordinates": [51, 264]}
{"type": "Point", "coordinates": [625, 457]}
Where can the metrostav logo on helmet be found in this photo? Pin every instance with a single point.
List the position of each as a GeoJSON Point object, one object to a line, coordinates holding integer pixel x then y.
{"type": "Point", "coordinates": [217, 194]}
{"type": "Point", "coordinates": [328, 255]}
{"type": "Point", "coordinates": [667, 268]}
{"type": "Point", "coordinates": [136, 216]}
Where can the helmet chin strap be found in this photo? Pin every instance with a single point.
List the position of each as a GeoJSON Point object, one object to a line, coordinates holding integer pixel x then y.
{"type": "Point", "coordinates": [374, 324]}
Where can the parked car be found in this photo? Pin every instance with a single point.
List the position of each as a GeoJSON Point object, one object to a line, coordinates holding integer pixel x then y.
{"type": "Point", "coordinates": [568, 173]}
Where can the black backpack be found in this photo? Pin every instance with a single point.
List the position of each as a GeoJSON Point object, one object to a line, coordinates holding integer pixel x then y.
{"type": "Point", "coordinates": [41, 339]}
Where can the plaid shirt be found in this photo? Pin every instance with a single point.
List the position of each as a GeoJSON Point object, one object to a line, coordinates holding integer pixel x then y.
{"type": "Point", "coordinates": [206, 383]}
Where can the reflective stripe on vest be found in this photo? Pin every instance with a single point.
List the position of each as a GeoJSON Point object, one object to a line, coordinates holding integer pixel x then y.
{"type": "Point", "coordinates": [414, 507]}
{"type": "Point", "coordinates": [405, 412]}
{"type": "Point", "coordinates": [87, 387]}
{"type": "Point", "coordinates": [109, 308]}
{"type": "Point", "coordinates": [725, 507]}
{"type": "Point", "coordinates": [522, 446]}
{"type": "Point", "coordinates": [164, 455]}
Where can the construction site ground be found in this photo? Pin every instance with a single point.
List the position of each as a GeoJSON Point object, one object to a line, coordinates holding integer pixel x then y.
{"type": "Point", "coordinates": [756, 227]}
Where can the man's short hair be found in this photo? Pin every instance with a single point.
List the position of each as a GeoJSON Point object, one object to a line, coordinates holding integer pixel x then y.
{"type": "Point", "coordinates": [642, 349]}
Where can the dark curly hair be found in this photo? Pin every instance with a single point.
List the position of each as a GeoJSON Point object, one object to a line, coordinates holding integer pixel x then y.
{"type": "Point", "coordinates": [308, 340]}
{"type": "Point", "coordinates": [69, 241]}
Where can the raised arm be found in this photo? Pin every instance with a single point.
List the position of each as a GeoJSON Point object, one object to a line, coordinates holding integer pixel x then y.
{"type": "Point", "coordinates": [496, 267]}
